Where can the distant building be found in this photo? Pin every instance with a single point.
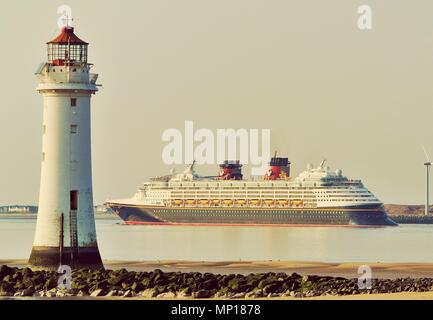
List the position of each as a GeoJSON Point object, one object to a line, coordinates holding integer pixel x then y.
{"type": "Point", "coordinates": [18, 209]}
{"type": "Point", "coordinates": [101, 209]}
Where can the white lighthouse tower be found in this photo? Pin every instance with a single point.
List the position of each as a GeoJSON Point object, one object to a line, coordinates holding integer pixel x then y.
{"type": "Point", "coordinates": [65, 229]}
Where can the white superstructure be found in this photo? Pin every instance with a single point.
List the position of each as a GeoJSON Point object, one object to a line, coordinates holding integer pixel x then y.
{"type": "Point", "coordinates": [314, 188]}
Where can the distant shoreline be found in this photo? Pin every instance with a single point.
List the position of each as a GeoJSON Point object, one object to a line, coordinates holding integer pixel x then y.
{"type": "Point", "coordinates": [400, 213]}
{"type": "Point", "coordinates": [98, 216]}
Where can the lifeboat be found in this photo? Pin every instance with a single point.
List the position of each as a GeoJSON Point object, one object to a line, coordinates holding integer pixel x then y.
{"type": "Point", "coordinates": [255, 202]}
{"type": "Point", "coordinates": [269, 202]}
{"type": "Point", "coordinates": [216, 201]}
{"type": "Point", "coordinates": [191, 201]}
{"type": "Point", "coordinates": [283, 202]}
{"type": "Point", "coordinates": [228, 202]}
{"type": "Point", "coordinates": [177, 202]}
{"type": "Point", "coordinates": [203, 201]}
{"type": "Point", "coordinates": [241, 202]}
{"type": "Point", "coordinates": [297, 203]}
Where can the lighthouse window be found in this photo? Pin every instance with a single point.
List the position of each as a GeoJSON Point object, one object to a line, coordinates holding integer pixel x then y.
{"type": "Point", "coordinates": [73, 102]}
{"type": "Point", "coordinates": [73, 200]}
{"type": "Point", "coordinates": [74, 128]}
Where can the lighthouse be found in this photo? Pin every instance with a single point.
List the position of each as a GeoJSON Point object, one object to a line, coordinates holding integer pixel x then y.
{"type": "Point", "coordinates": [65, 229]}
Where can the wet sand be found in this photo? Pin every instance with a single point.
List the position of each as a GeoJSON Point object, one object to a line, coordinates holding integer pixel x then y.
{"type": "Point", "coordinates": [346, 270]}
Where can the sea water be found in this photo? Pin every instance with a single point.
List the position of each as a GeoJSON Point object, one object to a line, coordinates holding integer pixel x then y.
{"type": "Point", "coordinates": [405, 243]}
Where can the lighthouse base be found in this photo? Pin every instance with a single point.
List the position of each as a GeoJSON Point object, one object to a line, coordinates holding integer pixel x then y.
{"type": "Point", "coordinates": [48, 258]}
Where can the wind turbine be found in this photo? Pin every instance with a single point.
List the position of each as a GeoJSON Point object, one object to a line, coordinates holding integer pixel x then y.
{"type": "Point", "coordinates": [427, 164]}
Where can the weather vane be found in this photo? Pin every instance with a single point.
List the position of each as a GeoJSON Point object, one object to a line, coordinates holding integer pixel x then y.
{"type": "Point", "coordinates": [67, 19]}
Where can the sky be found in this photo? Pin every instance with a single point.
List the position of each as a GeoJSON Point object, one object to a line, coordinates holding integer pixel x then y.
{"type": "Point", "coordinates": [303, 69]}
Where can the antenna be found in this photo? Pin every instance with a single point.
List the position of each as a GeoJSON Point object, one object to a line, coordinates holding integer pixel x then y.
{"type": "Point", "coordinates": [427, 164]}
{"type": "Point", "coordinates": [323, 162]}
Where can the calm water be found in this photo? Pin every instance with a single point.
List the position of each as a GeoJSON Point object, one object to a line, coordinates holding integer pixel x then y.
{"type": "Point", "coordinates": [406, 243]}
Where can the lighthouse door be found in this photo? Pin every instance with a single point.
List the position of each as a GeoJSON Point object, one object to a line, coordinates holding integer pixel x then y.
{"type": "Point", "coordinates": [73, 223]}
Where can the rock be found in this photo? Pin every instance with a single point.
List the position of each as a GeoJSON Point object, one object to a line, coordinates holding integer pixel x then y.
{"type": "Point", "coordinates": [272, 288]}
{"type": "Point", "coordinates": [156, 274]}
{"type": "Point", "coordinates": [28, 291]}
{"type": "Point", "coordinates": [102, 284]}
{"type": "Point", "coordinates": [286, 293]}
{"type": "Point", "coordinates": [61, 293]}
{"type": "Point", "coordinates": [167, 295]}
{"type": "Point", "coordinates": [116, 280]}
{"type": "Point", "coordinates": [310, 278]}
{"type": "Point", "coordinates": [96, 293]}
{"type": "Point", "coordinates": [184, 293]}
{"type": "Point", "coordinates": [50, 283]}
{"type": "Point", "coordinates": [149, 293]}
{"type": "Point", "coordinates": [211, 284]}
{"type": "Point", "coordinates": [220, 294]}
{"type": "Point", "coordinates": [239, 295]}
{"type": "Point", "coordinates": [291, 285]}
{"type": "Point", "coordinates": [82, 286]}
{"type": "Point", "coordinates": [7, 278]}
{"type": "Point", "coordinates": [239, 285]}
{"type": "Point", "coordinates": [51, 293]}
{"type": "Point", "coordinates": [256, 293]}
{"type": "Point", "coordinates": [5, 270]}
{"type": "Point", "coordinates": [81, 293]}
{"type": "Point", "coordinates": [203, 294]}
{"type": "Point", "coordinates": [137, 286]}
{"type": "Point", "coordinates": [27, 272]}
{"type": "Point", "coordinates": [39, 294]}
{"type": "Point", "coordinates": [162, 282]}
{"type": "Point", "coordinates": [263, 283]}
{"type": "Point", "coordinates": [127, 294]}
{"type": "Point", "coordinates": [112, 293]}
{"type": "Point", "coordinates": [4, 293]}
{"type": "Point", "coordinates": [17, 275]}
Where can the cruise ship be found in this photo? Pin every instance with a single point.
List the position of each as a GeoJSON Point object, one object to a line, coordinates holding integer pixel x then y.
{"type": "Point", "coordinates": [316, 197]}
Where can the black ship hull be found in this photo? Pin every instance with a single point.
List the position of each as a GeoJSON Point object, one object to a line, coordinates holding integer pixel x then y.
{"type": "Point", "coordinates": [366, 216]}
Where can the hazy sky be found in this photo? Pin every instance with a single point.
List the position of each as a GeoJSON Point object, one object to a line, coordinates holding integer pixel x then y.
{"type": "Point", "coordinates": [362, 99]}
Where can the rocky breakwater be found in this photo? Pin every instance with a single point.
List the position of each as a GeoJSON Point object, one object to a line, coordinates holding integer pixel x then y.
{"type": "Point", "coordinates": [157, 284]}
